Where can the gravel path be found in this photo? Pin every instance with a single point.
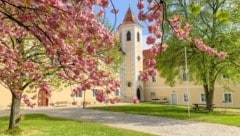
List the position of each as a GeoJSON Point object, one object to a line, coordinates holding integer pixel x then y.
{"type": "Point", "coordinates": [154, 125]}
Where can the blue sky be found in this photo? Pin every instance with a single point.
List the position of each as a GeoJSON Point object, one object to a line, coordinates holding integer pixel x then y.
{"type": "Point", "coordinates": [123, 5]}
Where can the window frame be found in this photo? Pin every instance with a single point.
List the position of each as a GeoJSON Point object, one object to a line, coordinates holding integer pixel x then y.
{"type": "Point", "coordinates": [129, 84]}
{"type": "Point", "coordinates": [138, 36]}
{"type": "Point", "coordinates": [77, 96]}
{"type": "Point", "coordinates": [128, 36]}
{"type": "Point", "coordinates": [231, 97]}
{"type": "Point", "coordinates": [185, 97]}
{"type": "Point", "coordinates": [117, 92]}
{"type": "Point", "coordinates": [201, 100]}
{"type": "Point", "coordinates": [154, 79]}
{"type": "Point", "coordinates": [94, 91]}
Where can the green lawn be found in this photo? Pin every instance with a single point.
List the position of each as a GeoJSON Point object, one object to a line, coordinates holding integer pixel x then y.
{"type": "Point", "coordinates": [178, 112]}
{"type": "Point", "coordinates": [41, 125]}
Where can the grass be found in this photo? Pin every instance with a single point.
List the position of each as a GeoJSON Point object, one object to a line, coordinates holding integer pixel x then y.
{"type": "Point", "coordinates": [179, 112]}
{"type": "Point", "coordinates": [42, 125]}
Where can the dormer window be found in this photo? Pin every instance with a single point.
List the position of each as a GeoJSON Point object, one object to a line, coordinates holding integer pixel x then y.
{"type": "Point", "coordinates": [128, 36]}
{"type": "Point", "coordinates": [138, 37]}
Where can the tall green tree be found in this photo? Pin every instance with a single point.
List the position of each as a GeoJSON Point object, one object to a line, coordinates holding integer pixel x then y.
{"type": "Point", "coordinates": [216, 23]}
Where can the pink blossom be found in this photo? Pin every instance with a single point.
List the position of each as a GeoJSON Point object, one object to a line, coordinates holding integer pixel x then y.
{"type": "Point", "coordinates": [91, 49]}
{"type": "Point", "coordinates": [140, 4]}
{"type": "Point", "coordinates": [101, 12]}
{"type": "Point", "coordinates": [150, 40]}
{"type": "Point", "coordinates": [100, 96]}
{"type": "Point", "coordinates": [152, 72]}
{"type": "Point", "coordinates": [150, 62]}
{"type": "Point", "coordinates": [135, 100]}
{"type": "Point", "coordinates": [142, 16]}
{"type": "Point", "coordinates": [103, 3]}
{"type": "Point", "coordinates": [212, 52]}
{"type": "Point", "coordinates": [222, 55]}
{"type": "Point", "coordinates": [144, 76]}
{"type": "Point", "coordinates": [153, 28]}
{"type": "Point", "coordinates": [149, 1]}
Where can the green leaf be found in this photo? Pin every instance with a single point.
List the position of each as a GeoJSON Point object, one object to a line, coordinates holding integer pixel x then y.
{"type": "Point", "coordinates": [223, 15]}
{"type": "Point", "coordinates": [195, 9]}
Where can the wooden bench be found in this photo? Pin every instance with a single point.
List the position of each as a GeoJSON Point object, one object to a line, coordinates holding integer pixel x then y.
{"type": "Point", "coordinates": [162, 99]}
{"type": "Point", "coordinates": [61, 103]}
{"type": "Point", "coordinates": [198, 106]}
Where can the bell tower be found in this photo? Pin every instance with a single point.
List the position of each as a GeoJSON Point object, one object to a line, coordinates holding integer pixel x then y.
{"type": "Point", "coordinates": [130, 34]}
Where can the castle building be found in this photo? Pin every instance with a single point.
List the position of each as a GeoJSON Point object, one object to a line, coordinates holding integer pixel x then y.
{"type": "Point", "coordinates": [130, 33]}
{"type": "Point", "coordinates": [155, 90]}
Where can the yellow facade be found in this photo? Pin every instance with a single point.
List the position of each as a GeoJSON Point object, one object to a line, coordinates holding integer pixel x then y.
{"type": "Point", "coordinates": [158, 89]}
{"type": "Point", "coordinates": [59, 98]}
{"type": "Point", "coordinates": [131, 85]}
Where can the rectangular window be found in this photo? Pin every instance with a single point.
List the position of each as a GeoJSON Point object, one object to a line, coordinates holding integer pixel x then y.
{"type": "Point", "coordinates": [94, 92]}
{"type": "Point", "coordinates": [185, 97]}
{"type": "Point", "coordinates": [79, 94]}
{"type": "Point", "coordinates": [227, 97]}
{"type": "Point", "coordinates": [153, 79]}
{"type": "Point", "coordinates": [202, 98]}
{"type": "Point", "coordinates": [129, 84]}
{"type": "Point", "coordinates": [117, 92]}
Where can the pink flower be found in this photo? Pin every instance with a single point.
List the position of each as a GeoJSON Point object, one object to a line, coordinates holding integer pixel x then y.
{"type": "Point", "coordinates": [135, 100]}
{"type": "Point", "coordinates": [101, 96]}
{"type": "Point", "coordinates": [91, 49]}
{"type": "Point", "coordinates": [158, 34]}
{"type": "Point", "coordinates": [140, 4]}
{"type": "Point", "coordinates": [222, 55]}
{"type": "Point", "coordinates": [150, 40]}
{"type": "Point", "coordinates": [212, 52]}
{"type": "Point", "coordinates": [142, 16]}
{"type": "Point", "coordinates": [152, 28]}
{"type": "Point", "coordinates": [152, 72]}
{"type": "Point", "coordinates": [150, 63]}
{"type": "Point", "coordinates": [144, 76]}
{"type": "Point", "coordinates": [149, 1]}
{"type": "Point", "coordinates": [103, 3]}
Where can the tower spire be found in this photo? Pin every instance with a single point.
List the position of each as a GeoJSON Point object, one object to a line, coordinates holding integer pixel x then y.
{"type": "Point", "coordinates": [129, 17]}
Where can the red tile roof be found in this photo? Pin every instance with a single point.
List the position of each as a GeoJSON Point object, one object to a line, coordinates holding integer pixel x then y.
{"type": "Point", "coordinates": [129, 18]}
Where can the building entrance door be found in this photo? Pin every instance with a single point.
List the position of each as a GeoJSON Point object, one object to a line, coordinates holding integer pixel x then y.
{"type": "Point", "coordinates": [138, 94]}
{"type": "Point", "coordinates": [42, 99]}
{"type": "Point", "coordinates": [174, 98]}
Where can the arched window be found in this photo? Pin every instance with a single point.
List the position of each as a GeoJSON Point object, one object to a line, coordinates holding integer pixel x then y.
{"type": "Point", "coordinates": [128, 36]}
{"type": "Point", "coordinates": [138, 37]}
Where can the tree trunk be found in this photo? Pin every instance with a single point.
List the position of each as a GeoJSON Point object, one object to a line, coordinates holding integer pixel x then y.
{"type": "Point", "coordinates": [209, 94]}
{"type": "Point", "coordinates": [15, 112]}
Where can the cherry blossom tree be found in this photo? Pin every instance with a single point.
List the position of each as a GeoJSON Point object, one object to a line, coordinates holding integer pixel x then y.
{"type": "Point", "coordinates": [154, 13]}
{"type": "Point", "coordinates": [45, 40]}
